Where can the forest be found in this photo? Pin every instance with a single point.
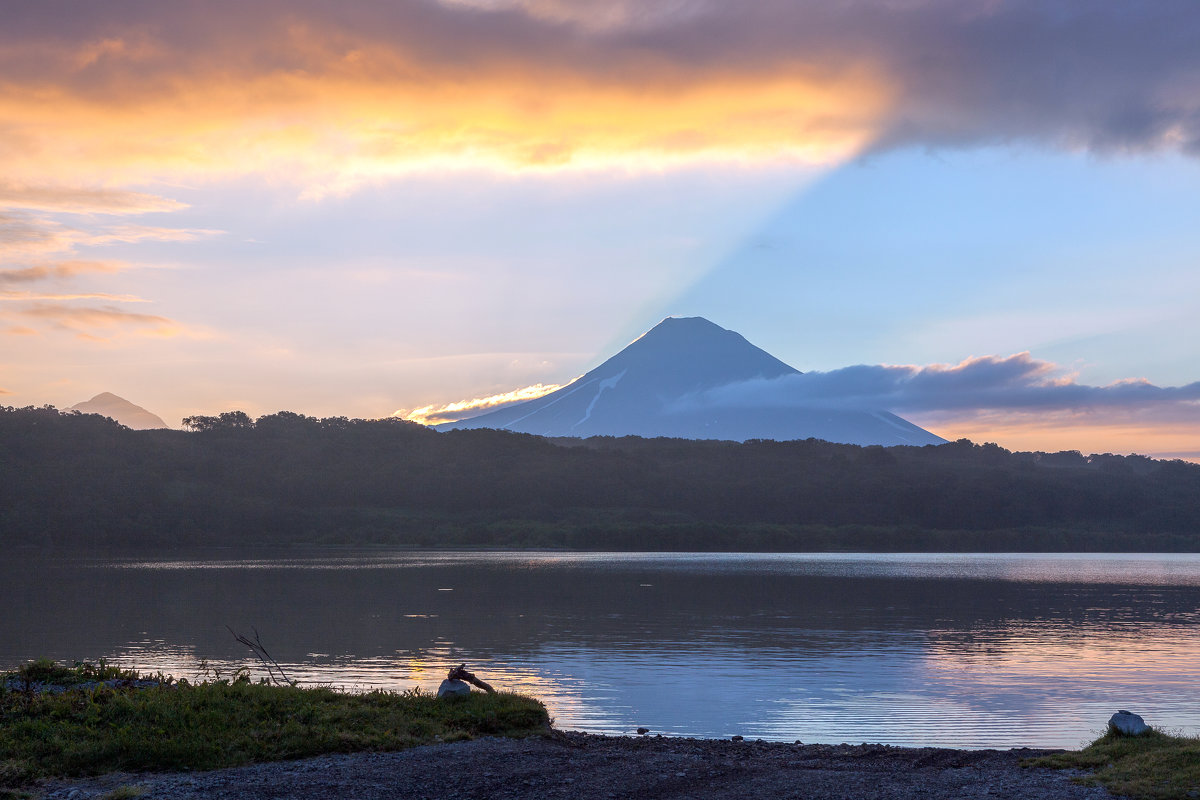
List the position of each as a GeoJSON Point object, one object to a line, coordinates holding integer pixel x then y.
{"type": "Point", "coordinates": [70, 480]}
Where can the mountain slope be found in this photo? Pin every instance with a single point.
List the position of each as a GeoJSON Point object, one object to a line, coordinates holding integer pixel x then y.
{"type": "Point", "coordinates": [638, 392]}
{"type": "Point", "coordinates": [109, 405]}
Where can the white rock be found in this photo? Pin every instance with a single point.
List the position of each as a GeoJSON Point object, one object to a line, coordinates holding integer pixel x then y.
{"type": "Point", "coordinates": [1128, 724]}
{"type": "Point", "coordinates": [454, 688]}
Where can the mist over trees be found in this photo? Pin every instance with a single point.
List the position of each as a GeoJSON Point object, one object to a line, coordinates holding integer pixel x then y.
{"type": "Point", "coordinates": [77, 480]}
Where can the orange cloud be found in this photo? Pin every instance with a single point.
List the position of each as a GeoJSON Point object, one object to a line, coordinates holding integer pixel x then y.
{"type": "Point", "coordinates": [84, 321]}
{"type": "Point", "coordinates": [59, 270]}
{"type": "Point", "coordinates": [118, 298]}
{"type": "Point", "coordinates": [82, 200]}
{"type": "Point", "coordinates": [23, 237]}
{"type": "Point", "coordinates": [338, 129]}
{"type": "Point", "coordinates": [288, 95]}
{"type": "Point", "coordinates": [145, 233]}
{"type": "Point", "coordinates": [333, 93]}
{"type": "Point", "coordinates": [435, 415]}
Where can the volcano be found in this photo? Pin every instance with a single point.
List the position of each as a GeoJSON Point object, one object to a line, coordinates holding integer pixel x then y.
{"type": "Point", "coordinates": [658, 384]}
{"type": "Point", "coordinates": [107, 404]}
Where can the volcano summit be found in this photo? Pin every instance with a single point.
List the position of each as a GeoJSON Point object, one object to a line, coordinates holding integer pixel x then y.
{"type": "Point", "coordinates": [662, 385]}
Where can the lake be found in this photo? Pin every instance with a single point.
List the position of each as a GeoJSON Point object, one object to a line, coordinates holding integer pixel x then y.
{"type": "Point", "coordinates": [927, 649]}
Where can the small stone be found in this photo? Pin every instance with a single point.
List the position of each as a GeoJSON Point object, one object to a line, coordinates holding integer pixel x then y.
{"type": "Point", "coordinates": [737, 738]}
{"type": "Point", "coordinates": [453, 688]}
{"type": "Point", "coordinates": [1128, 724]}
{"type": "Point", "coordinates": [643, 731]}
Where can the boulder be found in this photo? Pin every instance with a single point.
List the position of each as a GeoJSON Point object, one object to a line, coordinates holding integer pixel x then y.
{"type": "Point", "coordinates": [453, 688]}
{"type": "Point", "coordinates": [1128, 724]}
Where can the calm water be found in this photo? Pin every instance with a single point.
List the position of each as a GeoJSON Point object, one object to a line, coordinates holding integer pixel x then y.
{"type": "Point", "coordinates": [959, 650]}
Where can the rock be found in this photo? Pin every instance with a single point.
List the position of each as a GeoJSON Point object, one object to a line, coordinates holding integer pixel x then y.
{"type": "Point", "coordinates": [453, 688]}
{"type": "Point", "coordinates": [1128, 724]}
{"type": "Point", "coordinates": [643, 731]}
{"type": "Point", "coordinates": [737, 738]}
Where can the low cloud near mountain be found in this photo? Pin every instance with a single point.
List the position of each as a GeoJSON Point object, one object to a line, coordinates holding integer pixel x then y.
{"type": "Point", "coordinates": [1018, 383]}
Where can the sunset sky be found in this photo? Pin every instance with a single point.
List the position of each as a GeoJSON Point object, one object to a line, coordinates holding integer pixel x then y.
{"type": "Point", "coordinates": [983, 215]}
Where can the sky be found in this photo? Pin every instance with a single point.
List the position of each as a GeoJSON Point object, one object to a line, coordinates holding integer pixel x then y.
{"type": "Point", "coordinates": [982, 215]}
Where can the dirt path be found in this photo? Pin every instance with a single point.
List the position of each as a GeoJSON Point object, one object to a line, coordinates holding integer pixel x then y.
{"type": "Point", "coordinates": [577, 766]}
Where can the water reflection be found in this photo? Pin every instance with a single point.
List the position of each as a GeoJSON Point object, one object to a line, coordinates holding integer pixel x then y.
{"type": "Point", "coordinates": [960, 650]}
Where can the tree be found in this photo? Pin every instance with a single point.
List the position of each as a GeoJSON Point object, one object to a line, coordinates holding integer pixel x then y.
{"type": "Point", "coordinates": [227, 421]}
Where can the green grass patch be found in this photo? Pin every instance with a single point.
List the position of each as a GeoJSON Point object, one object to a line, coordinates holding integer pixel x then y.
{"type": "Point", "coordinates": [178, 726]}
{"type": "Point", "coordinates": [44, 670]}
{"type": "Point", "coordinates": [1154, 766]}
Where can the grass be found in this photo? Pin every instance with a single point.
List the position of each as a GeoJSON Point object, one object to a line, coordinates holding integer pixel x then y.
{"type": "Point", "coordinates": [46, 671]}
{"type": "Point", "coordinates": [184, 726]}
{"type": "Point", "coordinates": [1153, 766]}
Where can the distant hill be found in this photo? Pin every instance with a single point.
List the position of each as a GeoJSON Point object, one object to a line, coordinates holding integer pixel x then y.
{"type": "Point", "coordinates": [642, 391]}
{"type": "Point", "coordinates": [80, 480]}
{"type": "Point", "coordinates": [107, 404]}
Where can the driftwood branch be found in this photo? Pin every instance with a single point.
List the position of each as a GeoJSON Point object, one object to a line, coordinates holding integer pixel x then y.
{"type": "Point", "coordinates": [257, 647]}
{"type": "Point", "coordinates": [460, 673]}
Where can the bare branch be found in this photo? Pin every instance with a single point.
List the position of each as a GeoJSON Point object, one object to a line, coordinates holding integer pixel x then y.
{"type": "Point", "coordinates": [257, 647]}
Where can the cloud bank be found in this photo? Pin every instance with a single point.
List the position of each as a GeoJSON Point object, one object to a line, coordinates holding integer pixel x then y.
{"type": "Point", "coordinates": [435, 414]}
{"type": "Point", "coordinates": [1013, 391]}
{"type": "Point", "coordinates": [343, 92]}
{"type": "Point", "coordinates": [1018, 384]}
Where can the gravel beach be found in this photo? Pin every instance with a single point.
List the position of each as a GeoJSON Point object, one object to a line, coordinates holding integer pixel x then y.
{"type": "Point", "coordinates": [582, 766]}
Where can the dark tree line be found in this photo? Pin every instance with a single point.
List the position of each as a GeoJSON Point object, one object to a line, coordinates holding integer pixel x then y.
{"type": "Point", "coordinates": [68, 479]}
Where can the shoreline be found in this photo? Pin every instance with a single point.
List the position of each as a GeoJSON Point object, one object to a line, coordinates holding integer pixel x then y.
{"type": "Point", "coordinates": [573, 765]}
{"type": "Point", "coordinates": [74, 551]}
